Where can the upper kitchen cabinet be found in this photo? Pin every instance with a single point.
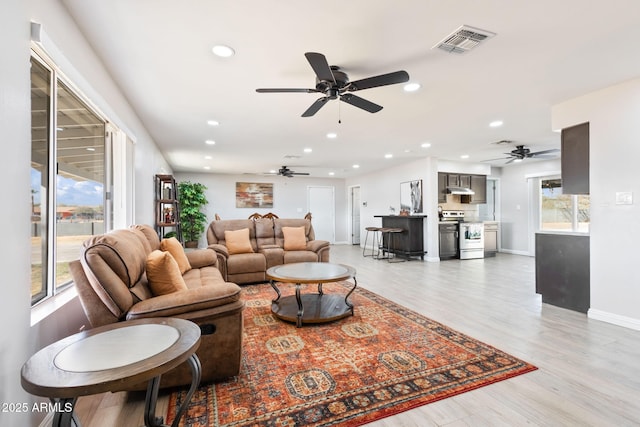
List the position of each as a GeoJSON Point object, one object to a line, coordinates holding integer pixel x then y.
{"type": "Point", "coordinates": [479, 187]}
{"type": "Point", "coordinates": [477, 183]}
{"type": "Point", "coordinates": [442, 187]}
{"type": "Point", "coordinates": [575, 159]}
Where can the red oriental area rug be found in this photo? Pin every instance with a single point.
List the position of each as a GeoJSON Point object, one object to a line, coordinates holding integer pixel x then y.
{"type": "Point", "coordinates": [383, 360]}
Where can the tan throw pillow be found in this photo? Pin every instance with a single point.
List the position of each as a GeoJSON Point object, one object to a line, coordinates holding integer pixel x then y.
{"type": "Point", "coordinates": [294, 239]}
{"type": "Point", "coordinates": [174, 247]}
{"type": "Point", "coordinates": [163, 274]}
{"type": "Point", "coordinates": [238, 242]}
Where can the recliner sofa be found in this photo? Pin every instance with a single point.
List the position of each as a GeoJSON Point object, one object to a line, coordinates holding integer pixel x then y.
{"type": "Point", "coordinates": [267, 247]}
{"type": "Point", "coordinates": [112, 284]}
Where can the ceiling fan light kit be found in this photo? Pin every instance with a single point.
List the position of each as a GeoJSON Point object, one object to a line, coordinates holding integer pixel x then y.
{"type": "Point", "coordinates": [334, 83]}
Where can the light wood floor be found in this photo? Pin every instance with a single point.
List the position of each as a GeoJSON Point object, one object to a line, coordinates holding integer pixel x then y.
{"type": "Point", "coordinates": [589, 371]}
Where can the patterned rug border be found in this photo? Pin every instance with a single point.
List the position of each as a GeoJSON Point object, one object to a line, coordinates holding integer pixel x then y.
{"type": "Point", "coordinates": [396, 406]}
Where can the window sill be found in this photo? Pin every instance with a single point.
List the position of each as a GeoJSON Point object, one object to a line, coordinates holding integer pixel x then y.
{"type": "Point", "coordinates": [45, 308]}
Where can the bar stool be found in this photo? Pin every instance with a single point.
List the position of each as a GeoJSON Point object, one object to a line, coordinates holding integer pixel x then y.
{"type": "Point", "coordinates": [391, 243]}
{"type": "Point", "coordinates": [376, 242]}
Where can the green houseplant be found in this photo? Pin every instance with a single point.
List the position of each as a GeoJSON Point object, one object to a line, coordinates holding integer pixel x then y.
{"type": "Point", "coordinates": [192, 220]}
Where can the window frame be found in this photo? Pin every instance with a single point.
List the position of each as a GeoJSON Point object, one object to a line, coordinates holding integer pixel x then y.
{"type": "Point", "coordinates": [49, 225]}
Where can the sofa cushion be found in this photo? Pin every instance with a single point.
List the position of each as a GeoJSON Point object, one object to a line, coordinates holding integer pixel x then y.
{"type": "Point", "coordinates": [237, 241]}
{"type": "Point", "coordinates": [300, 256]}
{"type": "Point", "coordinates": [164, 274]}
{"type": "Point", "coordinates": [246, 263]}
{"type": "Point", "coordinates": [174, 247]}
{"type": "Point", "coordinates": [294, 238]}
{"type": "Point", "coordinates": [265, 235]}
{"type": "Point", "coordinates": [150, 234]}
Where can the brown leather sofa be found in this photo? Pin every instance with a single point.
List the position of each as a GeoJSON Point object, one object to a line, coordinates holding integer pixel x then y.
{"type": "Point", "coordinates": [112, 285]}
{"type": "Point", "coordinates": [267, 247]}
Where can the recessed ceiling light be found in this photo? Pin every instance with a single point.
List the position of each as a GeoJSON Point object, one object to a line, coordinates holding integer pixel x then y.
{"type": "Point", "coordinates": [411, 87]}
{"type": "Point", "coordinates": [425, 145]}
{"type": "Point", "coordinates": [210, 142]}
{"type": "Point", "coordinates": [496, 124]}
{"type": "Point", "coordinates": [207, 168]}
{"type": "Point", "coordinates": [272, 171]}
{"type": "Point", "coordinates": [223, 51]}
{"type": "Point", "coordinates": [91, 149]}
{"type": "Point", "coordinates": [208, 157]}
{"type": "Point", "coordinates": [388, 156]}
{"type": "Point", "coordinates": [332, 135]}
{"type": "Point", "coordinates": [213, 122]}
{"type": "Point", "coordinates": [464, 156]}
{"type": "Point", "coordinates": [356, 166]}
{"type": "Point", "coordinates": [332, 173]}
{"type": "Point", "coordinates": [308, 150]}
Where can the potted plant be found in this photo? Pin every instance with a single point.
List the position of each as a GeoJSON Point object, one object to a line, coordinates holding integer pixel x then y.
{"type": "Point", "coordinates": [192, 220]}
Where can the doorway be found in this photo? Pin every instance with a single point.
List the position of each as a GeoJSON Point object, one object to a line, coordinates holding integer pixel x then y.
{"type": "Point", "coordinates": [322, 208]}
{"type": "Point", "coordinates": [354, 210]}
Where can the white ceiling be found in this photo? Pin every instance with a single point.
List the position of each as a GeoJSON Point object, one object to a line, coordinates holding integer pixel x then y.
{"type": "Point", "coordinates": [544, 52]}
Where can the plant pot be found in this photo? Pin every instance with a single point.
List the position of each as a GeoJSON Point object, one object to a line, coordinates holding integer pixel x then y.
{"type": "Point", "coordinates": [191, 245]}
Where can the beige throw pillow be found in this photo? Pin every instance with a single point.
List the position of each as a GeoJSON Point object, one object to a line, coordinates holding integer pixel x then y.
{"type": "Point", "coordinates": [294, 239]}
{"type": "Point", "coordinates": [163, 274]}
{"type": "Point", "coordinates": [174, 247]}
{"type": "Point", "coordinates": [238, 242]}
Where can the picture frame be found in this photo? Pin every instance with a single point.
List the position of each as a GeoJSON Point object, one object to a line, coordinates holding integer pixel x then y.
{"type": "Point", "coordinates": [411, 196]}
{"type": "Point", "coordinates": [254, 195]}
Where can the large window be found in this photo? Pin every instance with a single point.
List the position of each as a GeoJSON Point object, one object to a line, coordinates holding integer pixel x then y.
{"type": "Point", "coordinates": [67, 178]}
{"type": "Point", "coordinates": [562, 212]}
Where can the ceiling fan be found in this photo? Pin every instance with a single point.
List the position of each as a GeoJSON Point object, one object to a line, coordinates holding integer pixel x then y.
{"type": "Point", "coordinates": [285, 171]}
{"type": "Point", "coordinates": [521, 153]}
{"type": "Point", "coordinates": [334, 84]}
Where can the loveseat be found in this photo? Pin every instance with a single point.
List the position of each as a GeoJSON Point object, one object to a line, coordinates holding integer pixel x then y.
{"type": "Point", "coordinates": [116, 282]}
{"type": "Point", "coordinates": [246, 248]}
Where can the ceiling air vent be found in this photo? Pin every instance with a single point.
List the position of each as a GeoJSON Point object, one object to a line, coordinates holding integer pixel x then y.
{"type": "Point", "coordinates": [463, 39]}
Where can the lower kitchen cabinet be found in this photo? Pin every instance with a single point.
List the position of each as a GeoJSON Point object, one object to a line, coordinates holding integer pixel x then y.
{"type": "Point", "coordinates": [490, 239]}
{"type": "Point", "coordinates": [448, 240]}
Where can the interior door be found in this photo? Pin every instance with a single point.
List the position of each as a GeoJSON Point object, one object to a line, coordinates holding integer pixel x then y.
{"type": "Point", "coordinates": [355, 215]}
{"type": "Point", "coordinates": [322, 208]}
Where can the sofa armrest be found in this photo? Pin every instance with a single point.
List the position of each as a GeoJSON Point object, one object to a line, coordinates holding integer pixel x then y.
{"type": "Point", "coordinates": [316, 245]}
{"type": "Point", "coordinates": [181, 302]}
{"type": "Point", "coordinates": [220, 249]}
{"type": "Point", "coordinates": [202, 258]}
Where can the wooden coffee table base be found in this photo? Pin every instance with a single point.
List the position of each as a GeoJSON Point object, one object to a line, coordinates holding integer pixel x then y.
{"type": "Point", "coordinates": [313, 308]}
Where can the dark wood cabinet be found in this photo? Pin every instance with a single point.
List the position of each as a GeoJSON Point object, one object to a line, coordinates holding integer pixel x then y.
{"type": "Point", "coordinates": [575, 159]}
{"type": "Point", "coordinates": [448, 242]}
{"type": "Point", "coordinates": [562, 270]}
{"type": "Point", "coordinates": [479, 187]}
{"type": "Point", "coordinates": [464, 181]}
{"type": "Point", "coordinates": [442, 187]}
{"type": "Point", "coordinates": [409, 243]}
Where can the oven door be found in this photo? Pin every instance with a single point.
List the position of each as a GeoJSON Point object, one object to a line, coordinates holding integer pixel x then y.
{"type": "Point", "coordinates": [471, 235]}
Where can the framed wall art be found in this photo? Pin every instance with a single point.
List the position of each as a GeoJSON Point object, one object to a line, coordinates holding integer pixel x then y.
{"type": "Point", "coordinates": [254, 195]}
{"type": "Point", "coordinates": [411, 196]}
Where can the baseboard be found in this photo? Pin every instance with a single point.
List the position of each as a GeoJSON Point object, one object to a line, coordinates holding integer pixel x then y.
{"type": "Point", "coordinates": [514, 252]}
{"type": "Point", "coordinates": [432, 259]}
{"type": "Point", "coordinates": [616, 319]}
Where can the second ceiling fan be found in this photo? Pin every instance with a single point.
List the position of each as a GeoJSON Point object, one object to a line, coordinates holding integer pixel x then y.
{"type": "Point", "coordinates": [335, 84]}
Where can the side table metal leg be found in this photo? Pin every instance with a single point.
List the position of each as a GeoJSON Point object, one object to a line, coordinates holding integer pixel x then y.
{"type": "Point", "coordinates": [275, 288]}
{"type": "Point", "coordinates": [196, 371]}
{"type": "Point", "coordinates": [64, 416]}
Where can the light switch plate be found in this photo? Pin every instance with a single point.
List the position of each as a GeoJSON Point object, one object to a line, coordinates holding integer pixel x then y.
{"type": "Point", "coordinates": [624, 198]}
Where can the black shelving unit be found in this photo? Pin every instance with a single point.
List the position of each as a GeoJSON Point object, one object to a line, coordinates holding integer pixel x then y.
{"type": "Point", "coordinates": [167, 209]}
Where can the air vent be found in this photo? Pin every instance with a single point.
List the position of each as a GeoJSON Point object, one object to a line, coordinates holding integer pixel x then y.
{"type": "Point", "coordinates": [503, 142]}
{"type": "Point", "coordinates": [292, 156]}
{"type": "Point", "coordinates": [463, 39]}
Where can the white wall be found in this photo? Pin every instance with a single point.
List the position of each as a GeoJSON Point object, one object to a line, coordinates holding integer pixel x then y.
{"type": "Point", "coordinates": [289, 197]}
{"type": "Point", "coordinates": [19, 340]}
{"type": "Point", "coordinates": [516, 204]}
{"type": "Point", "coordinates": [381, 189]}
{"type": "Point", "coordinates": [614, 151]}
{"type": "Point", "coordinates": [15, 118]}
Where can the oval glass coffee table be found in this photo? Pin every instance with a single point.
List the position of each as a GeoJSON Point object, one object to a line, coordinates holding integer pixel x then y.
{"type": "Point", "coordinates": [311, 307]}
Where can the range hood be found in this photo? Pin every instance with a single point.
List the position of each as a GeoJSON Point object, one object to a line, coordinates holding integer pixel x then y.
{"type": "Point", "coordinates": [460, 190]}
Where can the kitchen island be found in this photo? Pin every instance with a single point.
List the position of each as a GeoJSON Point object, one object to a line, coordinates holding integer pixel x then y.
{"type": "Point", "coordinates": [409, 243]}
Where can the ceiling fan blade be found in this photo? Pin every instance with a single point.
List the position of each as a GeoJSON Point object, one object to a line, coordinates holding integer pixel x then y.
{"type": "Point", "coordinates": [381, 80]}
{"type": "Point", "coordinates": [537, 153]}
{"type": "Point", "coordinates": [315, 107]}
{"type": "Point", "coordinates": [356, 101]}
{"type": "Point", "coordinates": [299, 173]}
{"type": "Point", "coordinates": [510, 161]}
{"type": "Point", "coordinates": [285, 90]}
{"type": "Point", "coordinates": [320, 66]}
{"type": "Point", "coordinates": [499, 158]}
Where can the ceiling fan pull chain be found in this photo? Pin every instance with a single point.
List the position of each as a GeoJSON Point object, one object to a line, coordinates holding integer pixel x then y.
{"type": "Point", "coordinates": [339, 114]}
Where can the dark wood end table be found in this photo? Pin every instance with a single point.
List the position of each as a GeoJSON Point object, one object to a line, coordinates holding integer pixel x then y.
{"type": "Point", "coordinates": [113, 358]}
{"type": "Point", "coordinates": [311, 307]}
